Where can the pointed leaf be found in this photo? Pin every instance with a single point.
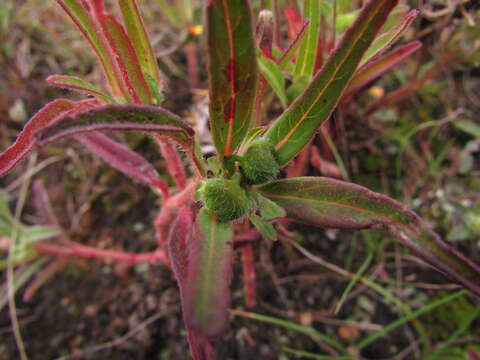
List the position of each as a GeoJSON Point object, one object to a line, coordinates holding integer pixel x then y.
{"type": "Point", "coordinates": [232, 69]}
{"type": "Point", "coordinates": [308, 50]}
{"type": "Point", "coordinates": [296, 126]}
{"type": "Point", "coordinates": [377, 68]}
{"type": "Point", "coordinates": [62, 118]}
{"type": "Point", "coordinates": [127, 65]}
{"type": "Point", "coordinates": [207, 295]}
{"type": "Point", "coordinates": [288, 53]}
{"type": "Point", "coordinates": [123, 159]}
{"type": "Point", "coordinates": [386, 39]}
{"type": "Point", "coordinates": [265, 228]}
{"type": "Point", "coordinates": [145, 118]}
{"type": "Point", "coordinates": [333, 203]}
{"type": "Point", "coordinates": [139, 36]}
{"type": "Point", "coordinates": [75, 83]}
{"type": "Point", "coordinates": [274, 77]}
{"type": "Point", "coordinates": [26, 139]}
{"type": "Point", "coordinates": [80, 17]}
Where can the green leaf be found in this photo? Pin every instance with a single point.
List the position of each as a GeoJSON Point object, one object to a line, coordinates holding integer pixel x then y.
{"type": "Point", "coordinates": [386, 39]}
{"type": "Point", "coordinates": [139, 37]}
{"type": "Point", "coordinates": [308, 50]}
{"type": "Point", "coordinates": [296, 126]}
{"type": "Point", "coordinates": [232, 69]}
{"type": "Point", "coordinates": [332, 203]}
{"type": "Point", "coordinates": [207, 293]}
{"type": "Point", "coordinates": [274, 77]}
{"type": "Point", "coordinates": [265, 228]}
{"type": "Point", "coordinates": [269, 210]}
{"type": "Point", "coordinates": [468, 127]}
{"type": "Point", "coordinates": [80, 17]}
{"type": "Point", "coordinates": [75, 83]}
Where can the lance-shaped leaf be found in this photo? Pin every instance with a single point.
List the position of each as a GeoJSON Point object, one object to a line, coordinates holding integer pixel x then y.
{"type": "Point", "coordinates": [139, 36]}
{"type": "Point", "coordinates": [62, 118]}
{"type": "Point", "coordinates": [123, 159]}
{"type": "Point", "coordinates": [207, 295]}
{"type": "Point", "coordinates": [122, 54]}
{"type": "Point", "coordinates": [386, 39]}
{"type": "Point", "coordinates": [232, 71]}
{"type": "Point", "coordinates": [132, 117]}
{"type": "Point", "coordinates": [26, 139]}
{"type": "Point", "coordinates": [179, 242]}
{"type": "Point", "coordinates": [80, 17]}
{"type": "Point", "coordinates": [296, 126]}
{"type": "Point", "coordinates": [377, 68]}
{"type": "Point", "coordinates": [288, 53]}
{"type": "Point", "coordinates": [330, 203]}
{"type": "Point", "coordinates": [75, 83]}
{"type": "Point", "coordinates": [308, 51]}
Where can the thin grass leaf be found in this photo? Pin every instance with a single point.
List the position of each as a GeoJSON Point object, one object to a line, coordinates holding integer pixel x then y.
{"type": "Point", "coordinates": [291, 326]}
{"type": "Point", "coordinates": [330, 203]}
{"type": "Point", "coordinates": [75, 83]}
{"type": "Point", "coordinates": [296, 126]}
{"type": "Point", "coordinates": [377, 68]}
{"type": "Point", "coordinates": [138, 35]}
{"type": "Point", "coordinates": [81, 19]}
{"type": "Point", "coordinates": [309, 355]}
{"type": "Point", "coordinates": [307, 55]}
{"type": "Point", "coordinates": [232, 69]}
{"type": "Point", "coordinates": [207, 294]}
{"type": "Point", "coordinates": [385, 40]}
{"type": "Point", "coordinates": [392, 326]}
{"type": "Point", "coordinates": [463, 326]}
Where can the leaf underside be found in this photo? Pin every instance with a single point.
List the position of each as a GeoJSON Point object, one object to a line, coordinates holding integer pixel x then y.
{"type": "Point", "coordinates": [330, 203]}
{"type": "Point", "coordinates": [232, 69]}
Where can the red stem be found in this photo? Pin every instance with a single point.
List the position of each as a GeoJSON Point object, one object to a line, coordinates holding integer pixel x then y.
{"type": "Point", "coordinates": [174, 164]}
{"type": "Point", "coordinates": [89, 252]}
{"type": "Point", "coordinates": [248, 267]}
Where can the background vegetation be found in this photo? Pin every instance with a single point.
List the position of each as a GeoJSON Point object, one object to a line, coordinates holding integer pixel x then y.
{"type": "Point", "coordinates": [356, 291]}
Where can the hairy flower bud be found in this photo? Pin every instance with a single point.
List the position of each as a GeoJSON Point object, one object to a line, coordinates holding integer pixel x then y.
{"type": "Point", "coordinates": [259, 164]}
{"type": "Point", "coordinates": [226, 198]}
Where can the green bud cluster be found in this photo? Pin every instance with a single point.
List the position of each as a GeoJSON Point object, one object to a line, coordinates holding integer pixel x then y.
{"type": "Point", "coordinates": [226, 198]}
{"type": "Point", "coordinates": [259, 163]}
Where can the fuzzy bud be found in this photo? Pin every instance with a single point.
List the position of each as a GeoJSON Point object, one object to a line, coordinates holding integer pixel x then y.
{"type": "Point", "coordinates": [259, 164]}
{"type": "Point", "coordinates": [226, 198]}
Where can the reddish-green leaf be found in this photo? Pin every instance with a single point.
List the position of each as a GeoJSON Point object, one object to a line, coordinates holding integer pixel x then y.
{"type": "Point", "coordinates": [377, 68]}
{"type": "Point", "coordinates": [232, 69]}
{"type": "Point", "coordinates": [132, 117]}
{"type": "Point", "coordinates": [126, 63]}
{"type": "Point", "coordinates": [123, 159]}
{"type": "Point", "coordinates": [207, 295]}
{"type": "Point", "coordinates": [296, 126]}
{"type": "Point", "coordinates": [330, 203]}
{"type": "Point", "coordinates": [26, 139]}
{"type": "Point", "coordinates": [62, 118]}
{"type": "Point", "coordinates": [75, 83]}
{"type": "Point", "coordinates": [386, 39]}
{"type": "Point", "coordinates": [81, 19]}
{"type": "Point", "coordinates": [139, 36]}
